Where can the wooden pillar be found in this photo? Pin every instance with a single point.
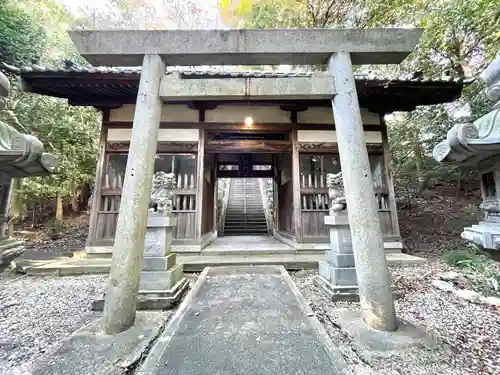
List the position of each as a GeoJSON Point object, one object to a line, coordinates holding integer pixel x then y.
{"type": "Point", "coordinates": [199, 183]}
{"type": "Point", "coordinates": [216, 194]}
{"type": "Point", "coordinates": [388, 176]}
{"type": "Point", "coordinates": [297, 214]}
{"type": "Point", "coordinates": [276, 182]}
{"type": "Point", "coordinates": [100, 168]}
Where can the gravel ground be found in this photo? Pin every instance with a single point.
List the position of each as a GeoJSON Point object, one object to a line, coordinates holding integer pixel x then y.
{"type": "Point", "coordinates": [38, 312]}
{"type": "Point", "coordinates": [467, 335]}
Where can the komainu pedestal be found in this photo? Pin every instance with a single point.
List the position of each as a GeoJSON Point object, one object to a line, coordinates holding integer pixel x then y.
{"type": "Point", "coordinates": [160, 271]}
{"type": "Point", "coordinates": [337, 274]}
{"type": "Point", "coordinates": [162, 283]}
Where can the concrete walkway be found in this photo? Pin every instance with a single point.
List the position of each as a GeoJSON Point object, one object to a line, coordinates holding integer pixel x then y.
{"type": "Point", "coordinates": [244, 321]}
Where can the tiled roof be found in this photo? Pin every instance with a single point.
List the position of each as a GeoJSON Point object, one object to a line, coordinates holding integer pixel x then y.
{"type": "Point", "coordinates": [225, 73]}
{"type": "Point", "coordinates": [98, 86]}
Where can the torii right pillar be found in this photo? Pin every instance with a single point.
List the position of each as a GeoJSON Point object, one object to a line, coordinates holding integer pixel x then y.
{"type": "Point", "coordinates": [375, 294]}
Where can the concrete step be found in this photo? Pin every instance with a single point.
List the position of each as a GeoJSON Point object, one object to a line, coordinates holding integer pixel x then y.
{"type": "Point", "coordinates": [242, 208]}
{"type": "Point", "coordinates": [247, 222]}
{"type": "Point", "coordinates": [244, 232]}
{"type": "Point", "coordinates": [249, 215]}
{"type": "Point", "coordinates": [242, 215]}
{"type": "Point", "coordinates": [242, 219]}
{"type": "Point", "coordinates": [246, 228]}
{"type": "Point", "coordinates": [262, 252]}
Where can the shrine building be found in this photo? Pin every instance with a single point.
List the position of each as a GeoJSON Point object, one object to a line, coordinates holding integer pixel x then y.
{"type": "Point", "coordinates": [227, 124]}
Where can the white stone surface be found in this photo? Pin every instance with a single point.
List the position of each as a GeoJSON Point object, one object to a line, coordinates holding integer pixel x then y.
{"type": "Point", "coordinates": [237, 114]}
{"type": "Point", "coordinates": [312, 136]}
{"type": "Point", "coordinates": [323, 115]}
{"type": "Point", "coordinates": [170, 113]}
{"type": "Point", "coordinates": [164, 135]}
{"type": "Point", "coordinates": [442, 285]}
{"type": "Point", "coordinates": [449, 276]}
{"type": "Point", "coordinates": [468, 295]}
{"type": "Point", "coordinates": [491, 301]}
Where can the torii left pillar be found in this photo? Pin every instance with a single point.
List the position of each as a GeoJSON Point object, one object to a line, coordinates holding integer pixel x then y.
{"type": "Point", "coordinates": [123, 285]}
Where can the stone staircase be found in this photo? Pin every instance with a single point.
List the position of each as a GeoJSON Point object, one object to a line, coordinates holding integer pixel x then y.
{"type": "Point", "coordinates": [245, 212]}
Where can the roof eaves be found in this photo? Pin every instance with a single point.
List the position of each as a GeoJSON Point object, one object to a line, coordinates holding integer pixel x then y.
{"type": "Point", "coordinates": [221, 73]}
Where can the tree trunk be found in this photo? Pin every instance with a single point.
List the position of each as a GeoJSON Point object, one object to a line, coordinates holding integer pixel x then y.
{"type": "Point", "coordinates": [84, 195]}
{"type": "Point", "coordinates": [33, 216]}
{"type": "Point", "coordinates": [16, 204]}
{"type": "Point", "coordinates": [459, 187]}
{"type": "Point", "coordinates": [59, 207]}
{"type": "Point", "coordinates": [75, 207]}
{"type": "Point", "coordinates": [417, 149]}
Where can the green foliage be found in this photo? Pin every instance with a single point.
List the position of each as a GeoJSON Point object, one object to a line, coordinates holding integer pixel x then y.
{"type": "Point", "coordinates": [460, 255]}
{"type": "Point", "coordinates": [461, 37]}
{"type": "Point", "coordinates": [58, 226]}
{"type": "Point", "coordinates": [471, 211]}
{"type": "Point", "coordinates": [70, 133]}
{"type": "Point", "coordinates": [21, 38]}
{"type": "Point", "coordinates": [481, 268]}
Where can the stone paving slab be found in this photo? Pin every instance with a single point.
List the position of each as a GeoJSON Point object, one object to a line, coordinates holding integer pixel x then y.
{"type": "Point", "coordinates": [244, 320]}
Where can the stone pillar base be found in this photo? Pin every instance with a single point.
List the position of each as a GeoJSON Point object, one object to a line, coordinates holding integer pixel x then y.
{"type": "Point", "coordinates": [155, 300]}
{"type": "Point", "coordinates": [157, 281]}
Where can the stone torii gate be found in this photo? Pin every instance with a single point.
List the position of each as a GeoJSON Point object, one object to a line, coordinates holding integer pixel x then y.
{"type": "Point", "coordinates": [339, 48]}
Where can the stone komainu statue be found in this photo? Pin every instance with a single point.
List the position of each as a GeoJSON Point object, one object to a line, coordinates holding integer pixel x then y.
{"type": "Point", "coordinates": [335, 185]}
{"type": "Point", "coordinates": [162, 192]}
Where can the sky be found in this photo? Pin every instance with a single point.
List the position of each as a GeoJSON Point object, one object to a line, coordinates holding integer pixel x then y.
{"type": "Point", "coordinates": [208, 15]}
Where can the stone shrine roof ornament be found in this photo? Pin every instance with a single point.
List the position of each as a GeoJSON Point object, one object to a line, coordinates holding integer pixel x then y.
{"type": "Point", "coordinates": [470, 143]}
{"type": "Point", "coordinates": [21, 155]}
{"type": "Point", "coordinates": [478, 143]}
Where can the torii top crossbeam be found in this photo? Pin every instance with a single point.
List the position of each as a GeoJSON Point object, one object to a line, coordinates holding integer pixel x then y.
{"type": "Point", "coordinates": [245, 46]}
